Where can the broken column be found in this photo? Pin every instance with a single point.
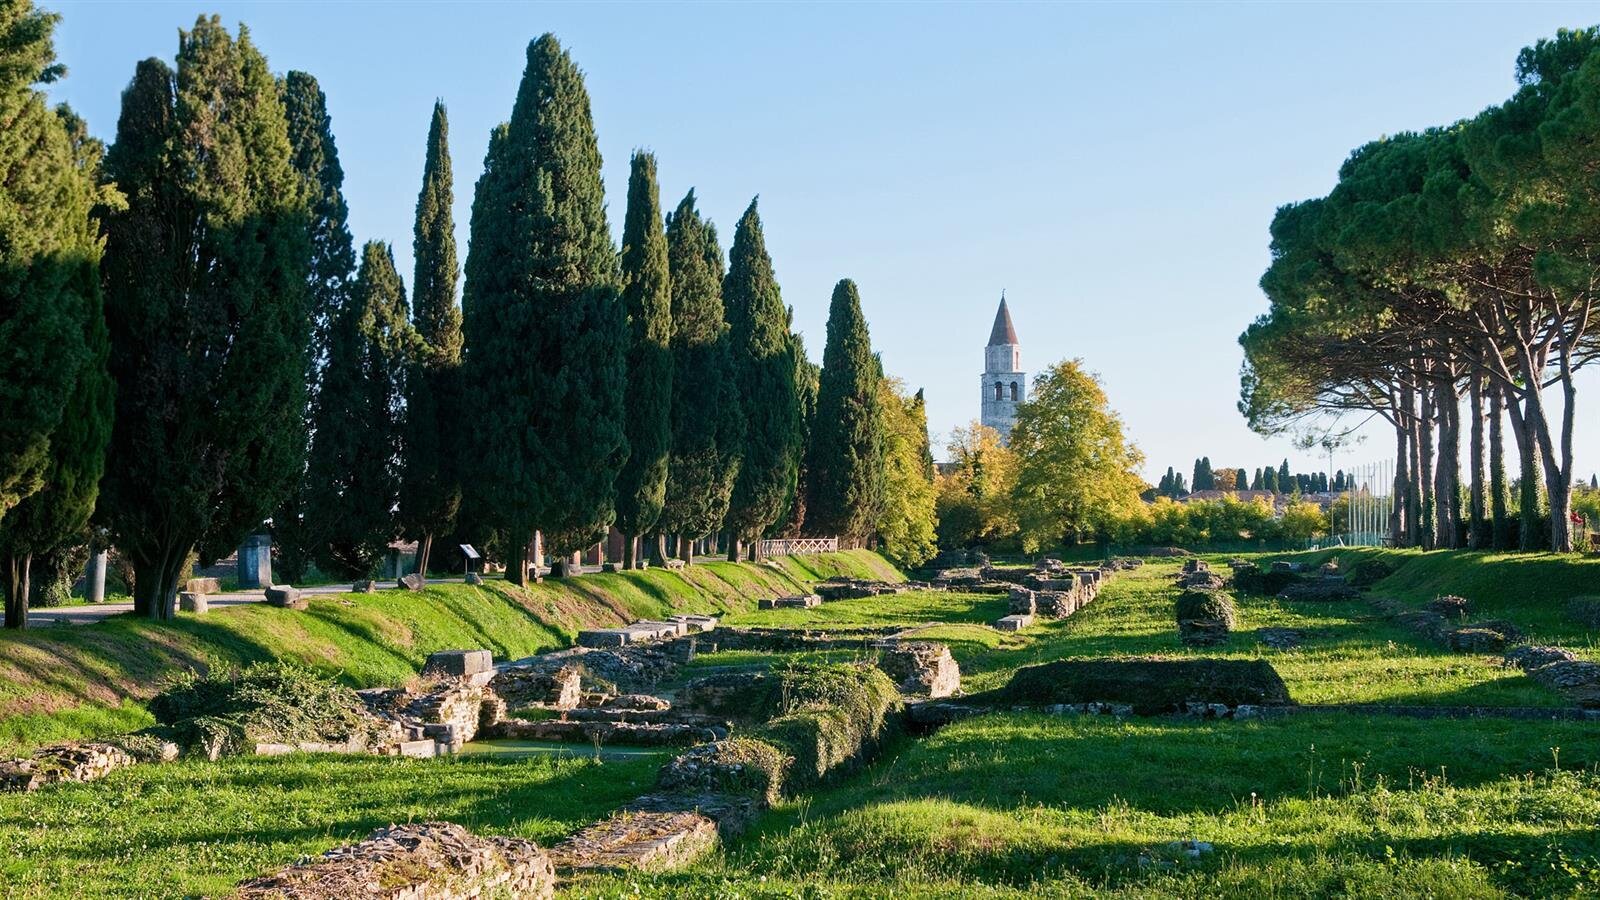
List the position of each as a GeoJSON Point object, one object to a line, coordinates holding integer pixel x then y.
{"type": "Point", "coordinates": [255, 562]}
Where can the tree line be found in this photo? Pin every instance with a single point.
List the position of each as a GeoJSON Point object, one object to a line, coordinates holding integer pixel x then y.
{"type": "Point", "coordinates": [1276, 479]}
{"type": "Point", "coordinates": [194, 346]}
{"type": "Point", "coordinates": [1446, 287]}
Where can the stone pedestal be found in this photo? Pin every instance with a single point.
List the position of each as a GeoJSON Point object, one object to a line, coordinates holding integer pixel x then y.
{"type": "Point", "coordinates": [189, 601]}
{"type": "Point", "coordinates": [94, 578]}
{"type": "Point", "coordinates": [255, 562]}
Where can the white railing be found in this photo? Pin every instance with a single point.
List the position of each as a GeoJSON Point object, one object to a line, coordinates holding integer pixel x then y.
{"type": "Point", "coordinates": [794, 546]}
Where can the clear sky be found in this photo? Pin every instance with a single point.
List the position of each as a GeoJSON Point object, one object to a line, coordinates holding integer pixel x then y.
{"type": "Point", "coordinates": [1112, 167]}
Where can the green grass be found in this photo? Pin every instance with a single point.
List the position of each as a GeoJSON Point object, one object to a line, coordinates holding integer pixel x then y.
{"type": "Point", "coordinates": [69, 682]}
{"type": "Point", "coordinates": [1031, 805]}
{"type": "Point", "coordinates": [1350, 655]}
{"type": "Point", "coordinates": [198, 828]}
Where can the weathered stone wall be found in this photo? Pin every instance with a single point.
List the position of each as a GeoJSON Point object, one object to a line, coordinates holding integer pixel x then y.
{"type": "Point", "coordinates": [424, 861]}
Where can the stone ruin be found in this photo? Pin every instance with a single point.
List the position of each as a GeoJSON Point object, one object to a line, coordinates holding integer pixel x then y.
{"type": "Point", "coordinates": [920, 668]}
{"type": "Point", "coordinates": [1560, 670]}
{"type": "Point", "coordinates": [856, 588]}
{"type": "Point", "coordinates": [1053, 589]}
{"type": "Point", "coordinates": [421, 861]}
{"type": "Point", "coordinates": [70, 762]}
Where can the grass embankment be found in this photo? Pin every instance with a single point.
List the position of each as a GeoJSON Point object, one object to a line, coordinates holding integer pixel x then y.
{"type": "Point", "coordinates": [1531, 590]}
{"type": "Point", "coordinates": [195, 828]}
{"type": "Point", "coordinates": [69, 682]}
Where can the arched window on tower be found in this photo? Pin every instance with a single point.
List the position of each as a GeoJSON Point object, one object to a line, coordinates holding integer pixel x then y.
{"type": "Point", "coordinates": [999, 391]}
{"type": "Point", "coordinates": [1015, 394]}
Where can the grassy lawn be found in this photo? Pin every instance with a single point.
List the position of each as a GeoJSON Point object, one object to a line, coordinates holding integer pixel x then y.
{"type": "Point", "coordinates": [1308, 806]}
{"type": "Point", "coordinates": [70, 682]}
{"type": "Point", "coordinates": [197, 828]}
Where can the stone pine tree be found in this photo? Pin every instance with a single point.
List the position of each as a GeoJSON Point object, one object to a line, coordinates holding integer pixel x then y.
{"type": "Point", "coordinates": [354, 469]}
{"type": "Point", "coordinates": [329, 272]}
{"type": "Point", "coordinates": [205, 275]}
{"type": "Point", "coordinates": [846, 468]}
{"type": "Point", "coordinates": [430, 488]}
{"type": "Point", "coordinates": [764, 371]}
{"type": "Point", "coordinates": [49, 292]}
{"type": "Point", "coordinates": [706, 418]}
{"type": "Point", "coordinates": [49, 250]}
{"type": "Point", "coordinates": [647, 294]}
{"type": "Point", "coordinates": [544, 325]}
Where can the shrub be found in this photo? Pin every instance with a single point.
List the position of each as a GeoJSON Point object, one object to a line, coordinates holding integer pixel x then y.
{"type": "Point", "coordinates": [1151, 685]}
{"type": "Point", "coordinates": [1584, 611]}
{"type": "Point", "coordinates": [1369, 572]}
{"type": "Point", "coordinates": [1205, 617]}
{"type": "Point", "coordinates": [228, 711]}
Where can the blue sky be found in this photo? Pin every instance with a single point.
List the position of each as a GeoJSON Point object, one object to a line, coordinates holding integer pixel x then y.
{"type": "Point", "coordinates": [1112, 167]}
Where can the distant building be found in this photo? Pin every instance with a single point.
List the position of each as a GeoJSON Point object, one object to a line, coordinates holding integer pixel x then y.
{"type": "Point", "coordinates": [1004, 383]}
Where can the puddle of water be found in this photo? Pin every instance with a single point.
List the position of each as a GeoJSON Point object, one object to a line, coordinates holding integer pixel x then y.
{"type": "Point", "coordinates": [515, 748]}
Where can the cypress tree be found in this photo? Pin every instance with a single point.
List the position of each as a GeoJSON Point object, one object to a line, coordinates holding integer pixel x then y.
{"type": "Point", "coordinates": [544, 325]}
{"type": "Point", "coordinates": [764, 371]}
{"type": "Point", "coordinates": [1284, 479]}
{"type": "Point", "coordinates": [647, 295]}
{"type": "Point", "coordinates": [52, 273]}
{"type": "Point", "coordinates": [706, 421]}
{"type": "Point", "coordinates": [1256, 483]}
{"type": "Point", "coordinates": [807, 374]}
{"type": "Point", "coordinates": [430, 488]}
{"type": "Point", "coordinates": [49, 251]}
{"type": "Point", "coordinates": [355, 450]}
{"type": "Point", "coordinates": [1269, 479]}
{"type": "Point", "coordinates": [330, 269]}
{"type": "Point", "coordinates": [846, 454]}
{"type": "Point", "coordinates": [206, 305]}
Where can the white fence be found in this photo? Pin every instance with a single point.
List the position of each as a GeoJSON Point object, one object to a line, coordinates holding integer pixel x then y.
{"type": "Point", "coordinates": [794, 546]}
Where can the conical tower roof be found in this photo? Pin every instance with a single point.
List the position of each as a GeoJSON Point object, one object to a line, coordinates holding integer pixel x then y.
{"type": "Point", "coordinates": [1003, 332]}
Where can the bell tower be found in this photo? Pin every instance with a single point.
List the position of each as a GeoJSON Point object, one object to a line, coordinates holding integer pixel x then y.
{"type": "Point", "coordinates": [1004, 383]}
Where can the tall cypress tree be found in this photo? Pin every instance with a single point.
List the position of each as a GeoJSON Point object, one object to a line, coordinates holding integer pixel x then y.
{"type": "Point", "coordinates": [355, 449]}
{"type": "Point", "coordinates": [49, 251]}
{"type": "Point", "coordinates": [58, 281]}
{"type": "Point", "coordinates": [544, 325]}
{"type": "Point", "coordinates": [647, 294]}
{"type": "Point", "coordinates": [206, 304]}
{"type": "Point", "coordinates": [330, 269]}
{"type": "Point", "coordinates": [846, 457]}
{"type": "Point", "coordinates": [807, 374]}
{"type": "Point", "coordinates": [706, 420]}
{"type": "Point", "coordinates": [764, 371]}
{"type": "Point", "coordinates": [430, 490]}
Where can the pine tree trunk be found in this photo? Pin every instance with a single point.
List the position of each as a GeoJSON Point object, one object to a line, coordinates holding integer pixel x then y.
{"type": "Point", "coordinates": [1499, 496]}
{"type": "Point", "coordinates": [536, 557]}
{"type": "Point", "coordinates": [1477, 526]}
{"type": "Point", "coordinates": [630, 551]}
{"type": "Point", "coordinates": [1425, 475]}
{"type": "Point", "coordinates": [686, 550]}
{"type": "Point", "coordinates": [658, 549]}
{"type": "Point", "coordinates": [1447, 473]}
{"type": "Point", "coordinates": [16, 590]}
{"type": "Point", "coordinates": [1398, 527]}
{"type": "Point", "coordinates": [735, 549]}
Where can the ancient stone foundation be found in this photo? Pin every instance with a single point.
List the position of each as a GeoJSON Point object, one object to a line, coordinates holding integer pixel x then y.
{"type": "Point", "coordinates": [425, 861]}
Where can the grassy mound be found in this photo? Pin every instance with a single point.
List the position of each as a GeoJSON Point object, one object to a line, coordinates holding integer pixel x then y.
{"type": "Point", "coordinates": [229, 712]}
{"type": "Point", "coordinates": [1150, 685]}
{"type": "Point", "coordinates": [71, 682]}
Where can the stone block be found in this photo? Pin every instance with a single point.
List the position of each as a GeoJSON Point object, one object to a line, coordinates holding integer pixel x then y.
{"type": "Point", "coordinates": [474, 578]}
{"type": "Point", "coordinates": [695, 624]}
{"type": "Point", "coordinates": [1013, 623]}
{"type": "Point", "coordinates": [365, 586]}
{"type": "Point", "coordinates": [427, 748]}
{"type": "Point", "coordinates": [675, 564]}
{"type": "Point", "coordinates": [806, 601]}
{"type": "Point", "coordinates": [203, 586]}
{"type": "Point", "coordinates": [458, 663]}
{"type": "Point", "coordinates": [286, 597]}
{"type": "Point", "coordinates": [412, 582]}
{"type": "Point", "coordinates": [188, 601]}
{"type": "Point", "coordinates": [921, 668]}
{"type": "Point", "coordinates": [612, 567]}
{"type": "Point", "coordinates": [604, 637]}
{"type": "Point", "coordinates": [672, 627]}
